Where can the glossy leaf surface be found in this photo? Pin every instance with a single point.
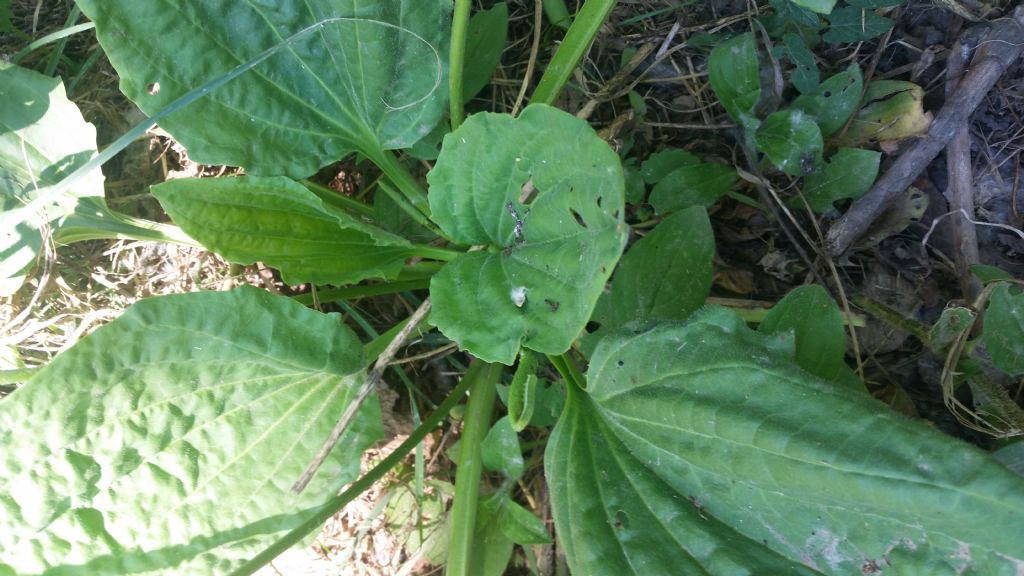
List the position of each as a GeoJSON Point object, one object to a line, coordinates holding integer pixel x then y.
{"type": "Point", "coordinates": [167, 441]}
{"type": "Point", "coordinates": [544, 194]}
{"type": "Point", "coordinates": [703, 449]}
{"type": "Point", "coordinates": [278, 221]}
{"type": "Point", "coordinates": [366, 76]}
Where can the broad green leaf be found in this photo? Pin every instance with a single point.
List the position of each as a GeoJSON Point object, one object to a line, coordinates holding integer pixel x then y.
{"type": "Point", "coordinates": [849, 174]}
{"type": "Point", "coordinates": [699, 185]}
{"type": "Point", "coordinates": [850, 24]}
{"type": "Point", "coordinates": [660, 164]}
{"type": "Point", "coordinates": [166, 442]}
{"type": "Point", "coordinates": [522, 526]}
{"type": "Point", "coordinates": [500, 450]}
{"type": "Point", "coordinates": [834, 101]}
{"type": "Point", "coordinates": [666, 275]}
{"type": "Point", "coordinates": [819, 6]}
{"type": "Point", "coordinates": [792, 141]}
{"type": "Point", "coordinates": [805, 72]}
{"type": "Point", "coordinates": [278, 221]}
{"type": "Point", "coordinates": [702, 449]}
{"type": "Point", "coordinates": [366, 76]}
{"type": "Point", "coordinates": [1004, 329]}
{"type": "Point", "coordinates": [814, 320]}
{"type": "Point", "coordinates": [732, 69]}
{"type": "Point", "coordinates": [485, 41]}
{"type": "Point", "coordinates": [893, 110]}
{"type": "Point", "coordinates": [544, 194]}
{"type": "Point", "coordinates": [43, 138]}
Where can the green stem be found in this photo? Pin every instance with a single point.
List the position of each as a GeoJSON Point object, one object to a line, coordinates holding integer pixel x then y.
{"type": "Point", "coordinates": [404, 180]}
{"type": "Point", "coordinates": [338, 200]}
{"type": "Point", "coordinates": [456, 60]}
{"type": "Point", "coordinates": [55, 56]}
{"type": "Point", "coordinates": [886, 314]}
{"type": "Point", "coordinates": [352, 292]}
{"type": "Point", "coordinates": [434, 252]}
{"type": "Point", "coordinates": [93, 220]}
{"type": "Point", "coordinates": [577, 41]}
{"type": "Point", "coordinates": [407, 207]}
{"type": "Point", "coordinates": [332, 506]}
{"type": "Point", "coordinates": [566, 366]}
{"type": "Point", "coordinates": [469, 467]}
{"type": "Point", "coordinates": [557, 13]}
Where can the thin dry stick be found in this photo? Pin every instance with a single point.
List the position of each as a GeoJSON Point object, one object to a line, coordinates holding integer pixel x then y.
{"type": "Point", "coordinates": [364, 392]}
{"type": "Point", "coordinates": [1001, 48]}
{"type": "Point", "coordinates": [538, 11]}
{"type": "Point", "coordinates": [961, 183]}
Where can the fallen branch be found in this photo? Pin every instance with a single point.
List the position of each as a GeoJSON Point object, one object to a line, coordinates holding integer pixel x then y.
{"type": "Point", "coordinates": [1000, 45]}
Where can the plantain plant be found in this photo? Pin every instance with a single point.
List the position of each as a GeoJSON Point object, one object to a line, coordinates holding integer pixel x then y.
{"type": "Point", "coordinates": [168, 440]}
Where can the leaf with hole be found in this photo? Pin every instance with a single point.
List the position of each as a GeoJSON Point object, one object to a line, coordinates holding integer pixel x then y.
{"type": "Point", "coordinates": [544, 194]}
{"type": "Point", "coordinates": [278, 221]}
{"type": "Point", "coordinates": [849, 173]}
{"type": "Point", "coordinates": [166, 441]}
{"type": "Point", "coordinates": [805, 74]}
{"type": "Point", "coordinates": [834, 101]}
{"type": "Point", "coordinates": [704, 449]}
{"type": "Point", "coordinates": [345, 77]}
{"type": "Point", "coordinates": [792, 141]}
{"type": "Point", "coordinates": [733, 71]}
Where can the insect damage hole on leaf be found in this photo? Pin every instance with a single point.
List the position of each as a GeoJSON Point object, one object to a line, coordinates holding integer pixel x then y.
{"type": "Point", "coordinates": [579, 219]}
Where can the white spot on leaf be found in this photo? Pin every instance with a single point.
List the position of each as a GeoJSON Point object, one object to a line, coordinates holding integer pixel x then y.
{"type": "Point", "coordinates": [518, 296]}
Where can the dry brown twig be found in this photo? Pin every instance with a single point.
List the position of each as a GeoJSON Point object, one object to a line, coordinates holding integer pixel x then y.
{"type": "Point", "coordinates": [369, 385]}
{"type": "Point", "coordinates": [1000, 46]}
